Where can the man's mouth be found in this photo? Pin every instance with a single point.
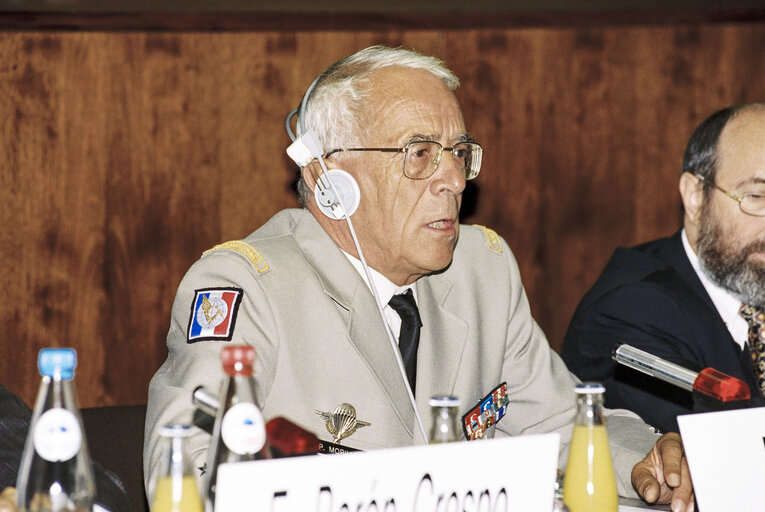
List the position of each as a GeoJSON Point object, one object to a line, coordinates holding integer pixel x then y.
{"type": "Point", "coordinates": [441, 224]}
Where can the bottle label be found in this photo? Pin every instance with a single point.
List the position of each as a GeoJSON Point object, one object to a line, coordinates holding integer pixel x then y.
{"type": "Point", "coordinates": [243, 429]}
{"type": "Point", "coordinates": [57, 435]}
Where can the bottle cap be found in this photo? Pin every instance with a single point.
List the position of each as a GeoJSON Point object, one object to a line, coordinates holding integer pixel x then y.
{"type": "Point", "coordinates": [586, 388]}
{"type": "Point", "coordinates": [175, 430]}
{"type": "Point", "coordinates": [238, 360]}
{"type": "Point", "coordinates": [57, 362]}
{"type": "Point", "coordinates": [444, 401]}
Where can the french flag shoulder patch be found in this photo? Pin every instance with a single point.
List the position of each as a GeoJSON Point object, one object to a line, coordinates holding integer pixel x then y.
{"type": "Point", "coordinates": [213, 314]}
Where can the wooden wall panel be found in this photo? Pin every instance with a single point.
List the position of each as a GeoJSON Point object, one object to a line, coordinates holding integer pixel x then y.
{"type": "Point", "coordinates": [587, 127]}
{"type": "Point", "coordinates": [124, 155]}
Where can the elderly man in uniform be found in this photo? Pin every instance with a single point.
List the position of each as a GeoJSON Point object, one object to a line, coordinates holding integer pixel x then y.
{"type": "Point", "coordinates": [695, 298]}
{"type": "Point", "coordinates": [299, 294]}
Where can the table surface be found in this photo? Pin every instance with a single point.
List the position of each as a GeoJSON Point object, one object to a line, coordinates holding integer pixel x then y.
{"type": "Point", "coordinates": [630, 505]}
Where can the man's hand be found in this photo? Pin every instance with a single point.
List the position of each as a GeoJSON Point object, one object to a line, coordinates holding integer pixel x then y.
{"type": "Point", "coordinates": [8, 500]}
{"type": "Point", "coordinates": [663, 476]}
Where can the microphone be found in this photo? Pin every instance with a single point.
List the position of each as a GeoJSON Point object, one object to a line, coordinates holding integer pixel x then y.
{"type": "Point", "coordinates": [285, 438]}
{"type": "Point", "coordinates": [712, 390]}
{"type": "Point", "coordinates": [205, 400]}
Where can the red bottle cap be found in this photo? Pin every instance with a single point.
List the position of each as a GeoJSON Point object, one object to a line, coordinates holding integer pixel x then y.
{"type": "Point", "coordinates": [238, 360]}
{"type": "Point", "coordinates": [720, 386]}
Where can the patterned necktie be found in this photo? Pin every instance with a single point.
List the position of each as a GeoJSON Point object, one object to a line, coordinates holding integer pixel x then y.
{"type": "Point", "coordinates": [409, 337]}
{"type": "Point", "coordinates": [756, 342]}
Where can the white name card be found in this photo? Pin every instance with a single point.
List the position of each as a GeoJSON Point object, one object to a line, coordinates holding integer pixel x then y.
{"type": "Point", "coordinates": [726, 456]}
{"type": "Point", "coordinates": [498, 475]}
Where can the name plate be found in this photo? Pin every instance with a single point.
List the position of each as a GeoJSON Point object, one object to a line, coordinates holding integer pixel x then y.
{"type": "Point", "coordinates": [726, 456]}
{"type": "Point", "coordinates": [492, 475]}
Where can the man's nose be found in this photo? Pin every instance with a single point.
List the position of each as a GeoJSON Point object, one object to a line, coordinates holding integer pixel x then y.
{"type": "Point", "coordinates": [449, 175]}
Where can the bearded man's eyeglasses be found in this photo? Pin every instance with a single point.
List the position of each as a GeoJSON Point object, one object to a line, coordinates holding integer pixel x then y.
{"type": "Point", "coordinates": [422, 157]}
{"type": "Point", "coordinates": [749, 203]}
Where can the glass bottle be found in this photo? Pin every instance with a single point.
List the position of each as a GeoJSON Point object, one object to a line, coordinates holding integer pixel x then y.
{"type": "Point", "coordinates": [589, 484]}
{"type": "Point", "coordinates": [445, 427]}
{"type": "Point", "coordinates": [239, 432]}
{"type": "Point", "coordinates": [175, 488]}
{"type": "Point", "coordinates": [55, 473]}
{"type": "Point", "coordinates": [558, 504]}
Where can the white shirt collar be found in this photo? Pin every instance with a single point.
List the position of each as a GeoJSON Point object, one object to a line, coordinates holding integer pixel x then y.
{"type": "Point", "coordinates": [726, 303]}
{"type": "Point", "coordinates": [385, 289]}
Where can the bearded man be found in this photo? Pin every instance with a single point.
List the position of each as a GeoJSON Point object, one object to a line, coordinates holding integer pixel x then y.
{"type": "Point", "coordinates": [695, 298]}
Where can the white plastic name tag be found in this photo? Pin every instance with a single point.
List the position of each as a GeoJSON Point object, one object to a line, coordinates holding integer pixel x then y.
{"type": "Point", "coordinates": [501, 475]}
{"type": "Point", "coordinates": [726, 456]}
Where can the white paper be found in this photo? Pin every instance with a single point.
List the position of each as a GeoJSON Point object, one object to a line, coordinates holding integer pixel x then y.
{"type": "Point", "coordinates": [726, 456]}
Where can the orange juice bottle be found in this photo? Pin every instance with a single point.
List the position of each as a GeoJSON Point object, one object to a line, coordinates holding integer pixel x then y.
{"type": "Point", "coordinates": [589, 484]}
{"type": "Point", "coordinates": [173, 494]}
{"type": "Point", "coordinates": [175, 489]}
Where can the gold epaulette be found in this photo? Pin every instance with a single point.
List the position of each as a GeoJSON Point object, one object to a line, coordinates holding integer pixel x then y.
{"type": "Point", "coordinates": [492, 239]}
{"type": "Point", "coordinates": [246, 250]}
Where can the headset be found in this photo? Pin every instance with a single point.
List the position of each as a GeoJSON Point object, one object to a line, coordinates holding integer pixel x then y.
{"type": "Point", "coordinates": [336, 192]}
{"type": "Point", "coordinates": [338, 196]}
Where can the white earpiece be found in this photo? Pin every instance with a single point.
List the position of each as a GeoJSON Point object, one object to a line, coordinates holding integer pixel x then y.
{"type": "Point", "coordinates": [331, 183]}
{"type": "Point", "coordinates": [345, 186]}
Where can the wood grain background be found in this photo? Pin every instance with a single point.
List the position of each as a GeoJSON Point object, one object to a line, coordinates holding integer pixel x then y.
{"type": "Point", "coordinates": [124, 155]}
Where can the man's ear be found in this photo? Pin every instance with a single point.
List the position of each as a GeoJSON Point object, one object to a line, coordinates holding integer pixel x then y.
{"type": "Point", "coordinates": [692, 194]}
{"type": "Point", "coordinates": [311, 173]}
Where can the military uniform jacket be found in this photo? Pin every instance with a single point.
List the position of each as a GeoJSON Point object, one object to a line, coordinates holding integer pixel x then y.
{"type": "Point", "coordinates": [320, 342]}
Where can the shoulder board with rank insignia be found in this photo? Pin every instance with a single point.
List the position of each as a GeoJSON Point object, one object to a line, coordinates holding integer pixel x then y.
{"type": "Point", "coordinates": [486, 413]}
{"type": "Point", "coordinates": [492, 239]}
{"type": "Point", "coordinates": [246, 250]}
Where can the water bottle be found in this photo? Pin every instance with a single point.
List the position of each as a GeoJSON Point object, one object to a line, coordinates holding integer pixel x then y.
{"type": "Point", "coordinates": [589, 484]}
{"type": "Point", "coordinates": [55, 474]}
{"type": "Point", "coordinates": [175, 488]}
{"type": "Point", "coordinates": [239, 432]}
{"type": "Point", "coordinates": [445, 427]}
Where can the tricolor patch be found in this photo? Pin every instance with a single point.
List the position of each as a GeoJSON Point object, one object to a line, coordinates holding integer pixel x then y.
{"type": "Point", "coordinates": [486, 413]}
{"type": "Point", "coordinates": [213, 314]}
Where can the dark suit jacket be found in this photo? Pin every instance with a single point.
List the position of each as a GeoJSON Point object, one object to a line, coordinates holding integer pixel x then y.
{"type": "Point", "coordinates": [650, 297]}
{"type": "Point", "coordinates": [14, 425]}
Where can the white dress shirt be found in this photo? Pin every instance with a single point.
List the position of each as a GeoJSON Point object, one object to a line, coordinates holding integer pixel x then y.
{"type": "Point", "coordinates": [725, 302]}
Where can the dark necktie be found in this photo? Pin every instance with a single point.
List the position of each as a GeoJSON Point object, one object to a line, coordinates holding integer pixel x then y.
{"type": "Point", "coordinates": [409, 337]}
{"type": "Point", "coordinates": [756, 342]}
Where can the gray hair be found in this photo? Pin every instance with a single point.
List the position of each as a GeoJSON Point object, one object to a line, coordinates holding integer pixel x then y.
{"type": "Point", "coordinates": [333, 109]}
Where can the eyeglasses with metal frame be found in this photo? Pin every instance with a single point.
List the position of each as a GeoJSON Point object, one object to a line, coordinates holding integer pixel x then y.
{"type": "Point", "coordinates": [422, 157]}
{"type": "Point", "coordinates": [749, 203]}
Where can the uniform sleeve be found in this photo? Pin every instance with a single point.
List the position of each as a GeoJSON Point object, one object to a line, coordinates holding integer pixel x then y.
{"type": "Point", "coordinates": [196, 362]}
{"type": "Point", "coordinates": [647, 318]}
{"type": "Point", "coordinates": [541, 392]}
